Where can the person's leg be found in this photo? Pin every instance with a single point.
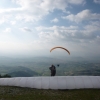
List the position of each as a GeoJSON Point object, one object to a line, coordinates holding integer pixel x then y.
{"type": "Point", "coordinates": [54, 73]}
{"type": "Point", "coordinates": [51, 74]}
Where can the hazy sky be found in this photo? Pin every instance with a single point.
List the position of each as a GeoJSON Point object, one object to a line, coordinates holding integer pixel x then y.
{"type": "Point", "coordinates": [33, 27]}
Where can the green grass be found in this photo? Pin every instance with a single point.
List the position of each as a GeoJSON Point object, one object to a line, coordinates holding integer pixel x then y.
{"type": "Point", "coordinates": [18, 93]}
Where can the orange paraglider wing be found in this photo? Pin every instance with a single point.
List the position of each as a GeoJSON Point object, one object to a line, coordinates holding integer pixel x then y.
{"type": "Point", "coordinates": [61, 48]}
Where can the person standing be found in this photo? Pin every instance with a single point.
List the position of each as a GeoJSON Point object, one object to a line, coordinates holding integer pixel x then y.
{"type": "Point", "coordinates": [53, 70]}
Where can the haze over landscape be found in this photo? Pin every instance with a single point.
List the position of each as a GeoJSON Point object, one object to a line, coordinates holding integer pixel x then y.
{"type": "Point", "coordinates": [30, 28]}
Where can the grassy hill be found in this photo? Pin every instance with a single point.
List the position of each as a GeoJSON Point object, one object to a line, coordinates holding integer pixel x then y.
{"type": "Point", "coordinates": [18, 93]}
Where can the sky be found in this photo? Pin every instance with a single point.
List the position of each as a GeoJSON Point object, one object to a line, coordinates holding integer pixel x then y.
{"type": "Point", "coordinates": [33, 27]}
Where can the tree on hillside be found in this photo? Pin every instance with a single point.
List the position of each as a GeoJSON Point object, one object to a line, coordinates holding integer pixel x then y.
{"type": "Point", "coordinates": [5, 76]}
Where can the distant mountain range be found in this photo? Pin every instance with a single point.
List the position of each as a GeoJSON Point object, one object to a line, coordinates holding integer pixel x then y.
{"type": "Point", "coordinates": [39, 66]}
{"type": "Point", "coordinates": [19, 71]}
{"type": "Point", "coordinates": [21, 74]}
{"type": "Point", "coordinates": [9, 60]}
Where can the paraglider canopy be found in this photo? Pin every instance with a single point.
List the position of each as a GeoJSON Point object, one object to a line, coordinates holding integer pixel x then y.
{"type": "Point", "coordinates": [60, 48]}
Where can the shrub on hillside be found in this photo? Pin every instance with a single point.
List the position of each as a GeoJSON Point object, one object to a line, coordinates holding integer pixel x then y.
{"type": "Point", "coordinates": [5, 76]}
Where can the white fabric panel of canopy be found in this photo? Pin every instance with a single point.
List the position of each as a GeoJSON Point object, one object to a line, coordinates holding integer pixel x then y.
{"type": "Point", "coordinates": [56, 82]}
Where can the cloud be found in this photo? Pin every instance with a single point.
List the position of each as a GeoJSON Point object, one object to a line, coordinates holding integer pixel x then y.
{"type": "Point", "coordinates": [13, 22]}
{"type": "Point", "coordinates": [98, 39]}
{"type": "Point", "coordinates": [97, 1]}
{"type": "Point", "coordinates": [13, 48]}
{"type": "Point", "coordinates": [80, 41]}
{"type": "Point", "coordinates": [25, 29]}
{"type": "Point", "coordinates": [55, 32]}
{"type": "Point", "coordinates": [55, 20]}
{"type": "Point", "coordinates": [4, 18]}
{"type": "Point", "coordinates": [83, 15]}
{"type": "Point", "coordinates": [42, 28]}
{"type": "Point", "coordinates": [34, 10]}
{"type": "Point", "coordinates": [77, 2]}
{"type": "Point", "coordinates": [70, 34]}
{"type": "Point", "coordinates": [7, 30]}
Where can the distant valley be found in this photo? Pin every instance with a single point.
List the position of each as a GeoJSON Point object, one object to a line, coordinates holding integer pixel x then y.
{"type": "Point", "coordinates": [39, 66]}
